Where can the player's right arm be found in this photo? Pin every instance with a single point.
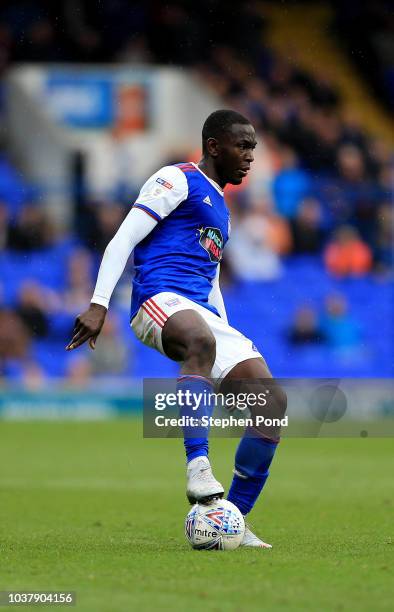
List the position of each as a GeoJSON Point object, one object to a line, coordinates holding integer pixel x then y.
{"type": "Point", "coordinates": [136, 226]}
{"type": "Point", "coordinates": [159, 196]}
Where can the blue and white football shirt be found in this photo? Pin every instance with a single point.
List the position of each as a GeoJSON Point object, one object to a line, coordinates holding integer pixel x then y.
{"type": "Point", "coordinates": [182, 252]}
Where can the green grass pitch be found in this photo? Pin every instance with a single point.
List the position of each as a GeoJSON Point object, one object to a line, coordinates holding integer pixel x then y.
{"type": "Point", "coordinates": [94, 508]}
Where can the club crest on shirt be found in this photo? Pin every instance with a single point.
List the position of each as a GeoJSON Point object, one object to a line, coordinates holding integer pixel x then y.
{"type": "Point", "coordinates": [211, 240]}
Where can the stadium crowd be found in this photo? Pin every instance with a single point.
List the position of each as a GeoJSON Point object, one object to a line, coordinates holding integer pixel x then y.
{"type": "Point", "coordinates": [318, 203]}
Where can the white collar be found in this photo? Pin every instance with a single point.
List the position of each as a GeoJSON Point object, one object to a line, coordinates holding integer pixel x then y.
{"type": "Point", "coordinates": [213, 183]}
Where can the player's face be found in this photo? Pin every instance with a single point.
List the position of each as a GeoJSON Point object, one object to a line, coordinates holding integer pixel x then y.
{"type": "Point", "coordinates": [235, 153]}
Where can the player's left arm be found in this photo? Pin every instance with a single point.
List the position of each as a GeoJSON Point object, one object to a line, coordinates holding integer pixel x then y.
{"type": "Point", "coordinates": [215, 297]}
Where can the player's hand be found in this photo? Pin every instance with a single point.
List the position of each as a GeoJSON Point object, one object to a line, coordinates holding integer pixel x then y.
{"type": "Point", "coordinates": [88, 326]}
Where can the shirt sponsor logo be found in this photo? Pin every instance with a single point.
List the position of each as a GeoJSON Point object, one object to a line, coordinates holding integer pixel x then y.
{"type": "Point", "coordinates": [211, 240]}
{"type": "Point", "coordinates": [164, 183]}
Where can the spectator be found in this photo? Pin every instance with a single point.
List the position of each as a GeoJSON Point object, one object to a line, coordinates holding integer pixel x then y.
{"type": "Point", "coordinates": [111, 353]}
{"type": "Point", "coordinates": [339, 328]}
{"type": "Point", "coordinates": [32, 309]}
{"type": "Point", "coordinates": [103, 221]}
{"type": "Point", "coordinates": [4, 216]}
{"type": "Point", "coordinates": [256, 242]}
{"type": "Point", "coordinates": [135, 51]}
{"type": "Point", "coordinates": [290, 185]}
{"type": "Point", "coordinates": [32, 376]}
{"type": "Point", "coordinates": [347, 254]}
{"type": "Point", "coordinates": [305, 327]}
{"type": "Point", "coordinates": [78, 371]}
{"type": "Point", "coordinates": [351, 164]}
{"type": "Point", "coordinates": [32, 230]}
{"type": "Point", "coordinates": [79, 282]}
{"type": "Point", "coordinates": [16, 361]}
{"type": "Point", "coordinates": [384, 250]}
{"type": "Point", "coordinates": [327, 130]}
{"type": "Point", "coordinates": [15, 338]}
{"type": "Point", "coordinates": [356, 196]}
{"type": "Point", "coordinates": [308, 233]}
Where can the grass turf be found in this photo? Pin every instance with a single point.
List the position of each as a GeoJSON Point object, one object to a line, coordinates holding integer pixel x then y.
{"type": "Point", "coordinates": [94, 508]}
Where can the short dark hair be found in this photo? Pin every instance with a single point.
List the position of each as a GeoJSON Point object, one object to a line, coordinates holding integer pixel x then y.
{"type": "Point", "coordinates": [220, 121]}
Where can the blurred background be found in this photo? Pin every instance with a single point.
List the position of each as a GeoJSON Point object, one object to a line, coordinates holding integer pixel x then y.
{"type": "Point", "coordinates": [96, 96]}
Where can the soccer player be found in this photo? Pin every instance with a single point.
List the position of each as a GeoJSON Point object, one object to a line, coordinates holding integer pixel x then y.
{"type": "Point", "coordinates": [177, 229]}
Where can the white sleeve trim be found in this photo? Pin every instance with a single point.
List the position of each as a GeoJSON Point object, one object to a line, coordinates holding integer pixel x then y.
{"type": "Point", "coordinates": [215, 297]}
{"type": "Point", "coordinates": [136, 226]}
{"type": "Point", "coordinates": [163, 192]}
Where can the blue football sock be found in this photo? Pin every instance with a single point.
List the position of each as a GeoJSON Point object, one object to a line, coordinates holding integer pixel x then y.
{"type": "Point", "coordinates": [196, 439]}
{"type": "Point", "coordinates": [252, 461]}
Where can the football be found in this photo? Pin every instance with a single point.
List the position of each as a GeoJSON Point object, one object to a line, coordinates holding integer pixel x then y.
{"type": "Point", "coordinates": [218, 525]}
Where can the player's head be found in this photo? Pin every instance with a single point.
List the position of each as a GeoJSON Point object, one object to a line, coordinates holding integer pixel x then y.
{"type": "Point", "coordinates": [228, 138]}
